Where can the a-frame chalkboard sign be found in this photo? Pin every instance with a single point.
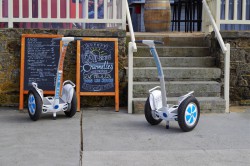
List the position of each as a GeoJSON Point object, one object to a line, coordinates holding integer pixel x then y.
{"type": "Point", "coordinates": [97, 68]}
{"type": "Point", "coordinates": [39, 61]}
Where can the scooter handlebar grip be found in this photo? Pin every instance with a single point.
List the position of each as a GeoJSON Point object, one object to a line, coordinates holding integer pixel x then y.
{"type": "Point", "coordinates": [56, 39]}
{"type": "Point", "coordinates": [158, 42]}
{"type": "Point", "coordinates": [146, 41]}
{"type": "Point", "coordinates": [138, 41]}
{"type": "Point", "coordinates": [61, 38]}
{"type": "Point", "coordinates": [77, 38]}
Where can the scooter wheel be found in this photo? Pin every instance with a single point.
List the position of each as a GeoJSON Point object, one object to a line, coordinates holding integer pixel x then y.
{"type": "Point", "coordinates": [149, 114]}
{"type": "Point", "coordinates": [34, 104]}
{"type": "Point", "coordinates": [72, 106]}
{"type": "Point", "coordinates": [188, 114]}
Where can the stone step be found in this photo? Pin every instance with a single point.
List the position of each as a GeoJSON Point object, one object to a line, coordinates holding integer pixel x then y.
{"type": "Point", "coordinates": [179, 88]}
{"type": "Point", "coordinates": [177, 73]}
{"type": "Point", "coordinates": [207, 104]}
{"type": "Point", "coordinates": [175, 39]}
{"type": "Point", "coordinates": [163, 51]}
{"type": "Point", "coordinates": [175, 61]}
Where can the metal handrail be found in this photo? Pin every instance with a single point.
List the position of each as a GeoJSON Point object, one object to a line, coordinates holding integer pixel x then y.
{"type": "Point", "coordinates": [226, 51]}
{"type": "Point", "coordinates": [130, 26]}
{"type": "Point", "coordinates": [216, 29]}
{"type": "Point", "coordinates": [131, 48]}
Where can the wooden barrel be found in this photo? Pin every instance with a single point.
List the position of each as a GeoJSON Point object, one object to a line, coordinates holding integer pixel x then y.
{"type": "Point", "coordinates": [157, 15]}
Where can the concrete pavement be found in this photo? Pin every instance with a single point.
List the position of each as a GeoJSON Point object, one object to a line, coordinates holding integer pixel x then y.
{"type": "Point", "coordinates": [108, 138]}
{"type": "Point", "coordinates": [120, 139]}
{"type": "Point", "coordinates": [45, 142]}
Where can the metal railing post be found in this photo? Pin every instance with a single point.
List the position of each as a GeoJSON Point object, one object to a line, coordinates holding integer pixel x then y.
{"type": "Point", "coordinates": [131, 48]}
{"type": "Point", "coordinates": [227, 76]}
{"type": "Point", "coordinates": [58, 14]}
{"type": "Point", "coordinates": [217, 14]}
{"type": "Point", "coordinates": [10, 14]}
{"type": "Point", "coordinates": [243, 10]}
{"type": "Point", "coordinates": [39, 9]}
{"type": "Point", "coordinates": [130, 77]}
{"type": "Point", "coordinates": [30, 9]}
{"type": "Point", "coordinates": [21, 9]}
{"type": "Point", "coordinates": [130, 25]}
{"type": "Point", "coordinates": [204, 20]}
{"type": "Point", "coordinates": [49, 9]}
{"type": "Point", "coordinates": [1, 7]}
{"type": "Point", "coordinates": [124, 3]}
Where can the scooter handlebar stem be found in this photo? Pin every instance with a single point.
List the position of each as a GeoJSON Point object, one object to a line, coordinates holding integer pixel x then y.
{"type": "Point", "coordinates": [67, 39]}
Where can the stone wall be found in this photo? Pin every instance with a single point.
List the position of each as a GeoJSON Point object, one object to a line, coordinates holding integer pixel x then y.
{"type": "Point", "coordinates": [10, 46]}
{"type": "Point", "coordinates": [239, 64]}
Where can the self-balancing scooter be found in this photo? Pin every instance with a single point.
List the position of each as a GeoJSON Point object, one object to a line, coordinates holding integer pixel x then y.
{"type": "Point", "coordinates": [156, 109]}
{"type": "Point", "coordinates": [65, 101]}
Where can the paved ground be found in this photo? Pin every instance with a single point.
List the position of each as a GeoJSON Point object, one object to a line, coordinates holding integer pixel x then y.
{"type": "Point", "coordinates": [120, 139]}
{"type": "Point", "coordinates": [45, 142]}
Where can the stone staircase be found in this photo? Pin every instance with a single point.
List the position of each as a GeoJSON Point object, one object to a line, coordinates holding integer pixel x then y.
{"type": "Point", "coordinates": [187, 66]}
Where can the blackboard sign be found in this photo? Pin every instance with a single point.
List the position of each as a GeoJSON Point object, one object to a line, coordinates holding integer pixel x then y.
{"type": "Point", "coordinates": [97, 68]}
{"type": "Point", "coordinates": [39, 61]}
{"type": "Point", "coordinates": [97, 62]}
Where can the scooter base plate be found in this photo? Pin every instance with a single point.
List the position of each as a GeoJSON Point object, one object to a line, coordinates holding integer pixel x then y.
{"type": "Point", "coordinates": [48, 105]}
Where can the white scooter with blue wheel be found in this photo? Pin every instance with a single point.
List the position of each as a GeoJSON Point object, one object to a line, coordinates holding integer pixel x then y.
{"type": "Point", "coordinates": [156, 109]}
{"type": "Point", "coordinates": [61, 101]}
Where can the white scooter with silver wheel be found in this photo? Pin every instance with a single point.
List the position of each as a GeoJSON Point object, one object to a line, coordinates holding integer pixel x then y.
{"type": "Point", "coordinates": [61, 101]}
{"type": "Point", "coordinates": [156, 109]}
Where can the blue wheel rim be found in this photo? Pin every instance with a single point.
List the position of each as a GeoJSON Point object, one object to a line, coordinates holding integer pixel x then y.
{"type": "Point", "coordinates": [32, 104]}
{"type": "Point", "coordinates": [191, 114]}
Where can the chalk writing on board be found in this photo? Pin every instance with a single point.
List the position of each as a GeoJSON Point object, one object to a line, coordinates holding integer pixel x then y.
{"type": "Point", "coordinates": [41, 60]}
{"type": "Point", "coordinates": [97, 66]}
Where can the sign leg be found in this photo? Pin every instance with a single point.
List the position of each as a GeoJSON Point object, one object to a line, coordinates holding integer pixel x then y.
{"type": "Point", "coordinates": [21, 102]}
{"type": "Point", "coordinates": [117, 103]}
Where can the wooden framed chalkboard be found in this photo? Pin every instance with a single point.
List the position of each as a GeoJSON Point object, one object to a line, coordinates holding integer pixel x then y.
{"type": "Point", "coordinates": [97, 68]}
{"type": "Point", "coordinates": [39, 61]}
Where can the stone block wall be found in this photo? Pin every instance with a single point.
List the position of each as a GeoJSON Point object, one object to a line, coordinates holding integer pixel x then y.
{"type": "Point", "coordinates": [239, 64]}
{"type": "Point", "coordinates": [10, 48]}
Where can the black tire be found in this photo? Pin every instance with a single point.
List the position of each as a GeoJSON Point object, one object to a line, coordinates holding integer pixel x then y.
{"type": "Point", "coordinates": [148, 114]}
{"type": "Point", "coordinates": [188, 114]}
{"type": "Point", "coordinates": [72, 106]}
{"type": "Point", "coordinates": [35, 104]}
